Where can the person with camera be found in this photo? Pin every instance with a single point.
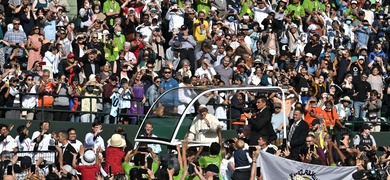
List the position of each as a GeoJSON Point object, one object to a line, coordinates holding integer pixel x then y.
{"type": "Point", "coordinates": [13, 98]}
{"type": "Point", "coordinates": [312, 111]}
{"type": "Point", "coordinates": [364, 141]}
{"type": "Point", "coordinates": [52, 58]}
{"type": "Point", "coordinates": [88, 105]}
{"type": "Point", "coordinates": [61, 102]}
{"type": "Point", "coordinates": [96, 44]}
{"type": "Point", "coordinates": [45, 99]}
{"type": "Point", "coordinates": [260, 120]}
{"type": "Point", "coordinates": [188, 44]}
{"type": "Point", "coordinates": [312, 153]}
{"type": "Point", "coordinates": [49, 23]}
{"type": "Point", "coordinates": [92, 61]}
{"type": "Point", "coordinates": [16, 38]}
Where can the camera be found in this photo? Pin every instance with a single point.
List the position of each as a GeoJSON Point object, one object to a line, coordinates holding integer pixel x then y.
{"type": "Point", "coordinates": [247, 110]}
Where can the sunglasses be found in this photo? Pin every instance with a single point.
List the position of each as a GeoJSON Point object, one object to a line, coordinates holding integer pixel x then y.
{"type": "Point", "coordinates": [94, 37]}
{"type": "Point", "coordinates": [29, 79]}
{"type": "Point", "coordinates": [166, 72]}
{"type": "Point", "coordinates": [16, 23]}
{"type": "Point", "coordinates": [158, 81]}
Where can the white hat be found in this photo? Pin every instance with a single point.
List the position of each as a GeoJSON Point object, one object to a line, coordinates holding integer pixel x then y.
{"type": "Point", "coordinates": [293, 25]}
{"type": "Point", "coordinates": [105, 32]}
{"type": "Point", "coordinates": [88, 158]}
{"type": "Point", "coordinates": [309, 55]}
{"type": "Point", "coordinates": [312, 27]}
{"type": "Point", "coordinates": [213, 8]}
{"type": "Point", "coordinates": [346, 99]}
{"type": "Point", "coordinates": [70, 170]}
{"type": "Point", "coordinates": [361, 57]}
{"type": "Point", "coordinates": [354, 2]}
{"type": "Point", "coordinates": [270, 68]}
{"type": "Point", "coordinates": [116, 140]}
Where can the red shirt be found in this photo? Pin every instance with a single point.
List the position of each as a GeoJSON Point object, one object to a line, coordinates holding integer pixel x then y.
{"type": "Point", "coordinates": [88, 172]}
{"type": "Point", "coordinates": [114, 158]}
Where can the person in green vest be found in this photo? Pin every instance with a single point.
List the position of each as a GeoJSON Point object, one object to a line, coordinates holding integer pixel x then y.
{"type": "Point", "coordinates": [296, 10]}
{"type": "Point", "coordinates": [310, 6]}
{"type": "Point", "coordinates": [111, 9]}
{"type": "Point", "coordinates": [118, 39]}
{"type": "Point", "coordinates": [353, 10]}
{"type": "Point", "coordinates": [203, 5]}
{"type": "Point", "coordinates": [245, 9]}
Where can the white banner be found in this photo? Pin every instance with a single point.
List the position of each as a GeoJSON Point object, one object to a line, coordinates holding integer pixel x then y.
{"type": "Point", "coordinates": [274, 167]}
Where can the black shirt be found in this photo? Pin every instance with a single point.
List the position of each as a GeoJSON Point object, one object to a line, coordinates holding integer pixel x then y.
{"type": "Point", "coordinates": [363, 87]}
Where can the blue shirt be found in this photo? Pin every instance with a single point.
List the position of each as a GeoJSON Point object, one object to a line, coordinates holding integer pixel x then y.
{"type": "Point", "coordinates": [362, 36]}
{"type": "Point", "coordinates": [50, 30]}
{"type": "Point", "coordinates": [172, 97]}
{"type": "Point", "coordinates": [373, 55]}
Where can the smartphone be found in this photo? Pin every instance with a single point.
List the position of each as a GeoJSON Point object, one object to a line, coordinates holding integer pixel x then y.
{"type": "Point", "coordinates": [109, 171]}
{"type": "Point", "coordinates": [180, 36]}
{"type": "Point", "coordinates": [142, 160]}
{"type": "Point", "coordinates": [42, 63]}
{"type": "Point", "coordinates": [9, 170]}
{"type": "Point", "coordinates": [50, 167]}
{"type": "Point", "coordinates": [33, 168]}
{"type": "Point", "coordinates": [190, 169]}
{"type": "Point", "coordinates": [312, 147]}
{"type": "Point", "coordinates": [143, 149]}
{"type": "Point", "coordinates": [143, 171]}
{"type": "Point", "coordinates": [381, 148]}
{"type": "Point", "coordinates": [284, 144]}
{"type": "Point", "coordinates": [303, 151]}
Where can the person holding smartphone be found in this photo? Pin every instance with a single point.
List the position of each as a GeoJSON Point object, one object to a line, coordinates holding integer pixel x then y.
{"type": "Point", "coordinates": [315, 154]}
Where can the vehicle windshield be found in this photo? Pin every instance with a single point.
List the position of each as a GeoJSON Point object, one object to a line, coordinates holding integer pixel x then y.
{"type": "Point", "coordinates": [173, 112]}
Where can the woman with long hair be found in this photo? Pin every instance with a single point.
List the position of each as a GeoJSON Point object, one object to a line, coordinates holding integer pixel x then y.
{"type": "Point", "coordinates": [34, 45]}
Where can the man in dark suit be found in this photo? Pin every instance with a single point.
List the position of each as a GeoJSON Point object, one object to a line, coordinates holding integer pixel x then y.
{"type": "Point", "coordinates": [67, 149]}
{"type": "Point", "coordinates": [260, 121]}
{"type": "Point", "coordinates": [299, 130]}
{"type": "Point", "coordinates": [92, 61]}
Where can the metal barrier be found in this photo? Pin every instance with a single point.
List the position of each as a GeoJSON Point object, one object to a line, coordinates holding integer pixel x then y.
{"type": "Point", "coordinates": [48, 156]}
{"type": "Point", "coordinates": [139, 116]}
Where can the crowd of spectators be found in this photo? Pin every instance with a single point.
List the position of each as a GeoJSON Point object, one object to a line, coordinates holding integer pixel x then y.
{"type": "Point", "coordinates": [111, 62]}
{"type": "Point", "coordinates": [116, 57]}
{"type": "Point", "coordinates": [91, 157]}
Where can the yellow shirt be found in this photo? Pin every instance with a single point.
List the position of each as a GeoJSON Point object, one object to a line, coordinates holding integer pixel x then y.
{"type": "Point", "coordinates": [200, 33]}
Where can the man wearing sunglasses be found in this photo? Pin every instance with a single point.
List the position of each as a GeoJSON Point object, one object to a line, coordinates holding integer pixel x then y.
{"type": "Point", "coordinates": [170, 100]}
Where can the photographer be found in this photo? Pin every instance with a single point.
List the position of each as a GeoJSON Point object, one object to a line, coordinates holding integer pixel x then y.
{"type": "Point", "coordinates": [13, 98]}
{"type": "Point", "coordinates": [61, 102]}
{"type": "Point", "coordinates": [91, 88]}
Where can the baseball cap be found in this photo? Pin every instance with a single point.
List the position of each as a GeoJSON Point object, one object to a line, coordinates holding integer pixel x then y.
{"type": "Point", "coordinates": [183, 27]}
{"type": "Point", "coordinates": [213, 168]}
{"type": "Point", "coordinates": [309, 55]}
{"type": "Point", "coordinates": [70, 55]}
{"type": "Point", "coordinates": [315, 122]}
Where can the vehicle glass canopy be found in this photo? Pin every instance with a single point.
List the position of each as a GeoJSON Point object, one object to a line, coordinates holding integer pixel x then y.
{"type": "Point", "coordinates": [172, 113]}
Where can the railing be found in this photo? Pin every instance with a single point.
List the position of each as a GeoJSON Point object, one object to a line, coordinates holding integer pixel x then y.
{"type": "Point", "coordinates": [352, 125]}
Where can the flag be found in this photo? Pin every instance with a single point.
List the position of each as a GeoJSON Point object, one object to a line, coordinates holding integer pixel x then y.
{"type": "Point", "coordinates": [274, 167]}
